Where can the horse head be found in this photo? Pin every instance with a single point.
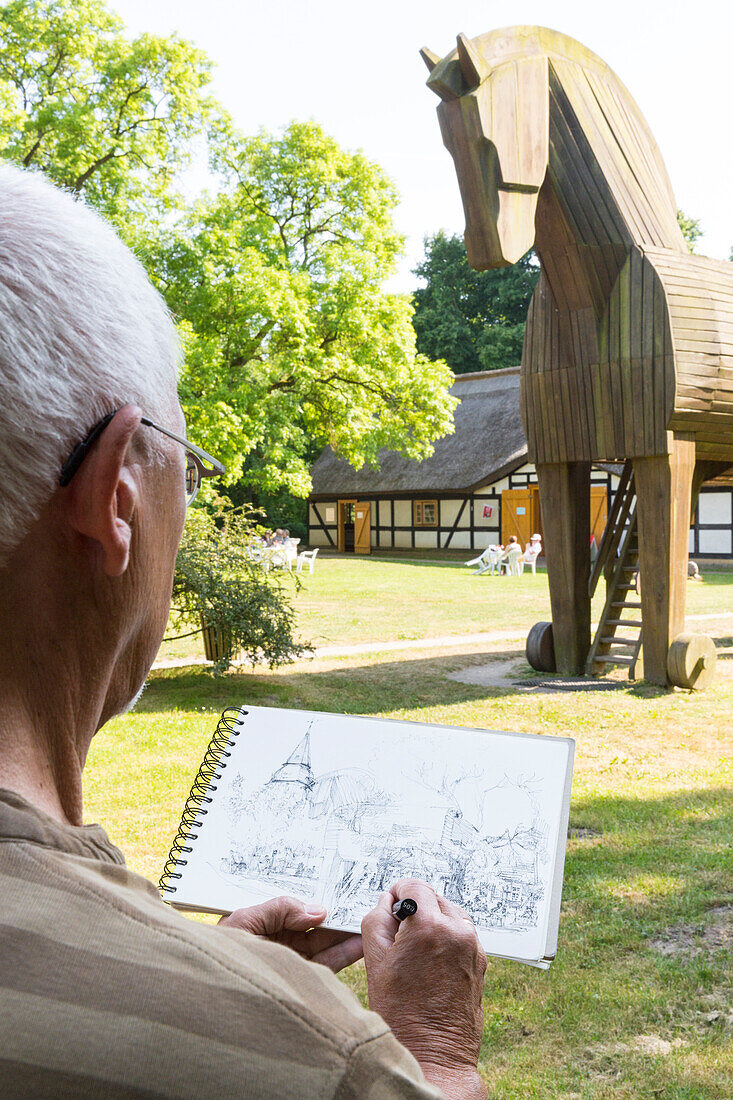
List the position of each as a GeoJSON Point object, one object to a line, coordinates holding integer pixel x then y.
{"type": "Point", "coordinates": [494, 119]}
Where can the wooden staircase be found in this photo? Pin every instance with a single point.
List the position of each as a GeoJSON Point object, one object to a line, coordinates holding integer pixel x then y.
{"type": "Point", "coordinates": [618, 563]}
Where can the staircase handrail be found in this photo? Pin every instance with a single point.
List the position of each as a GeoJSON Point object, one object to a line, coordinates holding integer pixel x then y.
{"type": "Point", "coordinates": [613, 530]}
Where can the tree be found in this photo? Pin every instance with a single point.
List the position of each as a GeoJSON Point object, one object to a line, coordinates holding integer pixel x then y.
{"type": "Point", "coordinates": [472, 319]}
{"type": "Point", "coordinates": [112, 119]}
{"type": "Point", "coordinates": [290, 338]}
{"type": "Point", "coordinates": [690, 228]}
{"type": "Point", "coordinates": [276, 279]}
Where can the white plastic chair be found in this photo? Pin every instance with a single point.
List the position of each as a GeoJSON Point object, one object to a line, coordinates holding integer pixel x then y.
{"type": "Point", "coordinates": [308, 556]}
{"type": "Point", "coordinates": [530, 559]}
{"type": "Point", "coordinates": [291, 552]}
{"type": "Point", "coordinates": [482, 561]}
{"type": "Point", "coordinates": [511, 561]}
{"type": "Point", "coordinates": [494, 560]}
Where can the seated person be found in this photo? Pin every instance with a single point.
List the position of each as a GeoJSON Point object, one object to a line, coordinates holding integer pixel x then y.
{"type": "Point", "coordinates": [104, 990]}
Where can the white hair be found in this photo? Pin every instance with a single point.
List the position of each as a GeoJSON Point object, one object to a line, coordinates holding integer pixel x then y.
{"type": "Point", "coordinates": [82, 332]}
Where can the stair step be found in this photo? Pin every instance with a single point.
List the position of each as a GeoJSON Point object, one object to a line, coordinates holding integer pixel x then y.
{"type": "Point", "coordinates": [622, 603]}
{"type": "Point", "coordinates": [623, 622]}
{"type": "Point", "coordinates": [633, 642]}
{"type": "Point", "coordinates": [609, 660]}
{"type": "Point", "coordinates": [625, 587]}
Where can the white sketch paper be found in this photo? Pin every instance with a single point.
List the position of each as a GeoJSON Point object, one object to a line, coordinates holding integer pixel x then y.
{"type": "Point", "coordinates": [334, 810]}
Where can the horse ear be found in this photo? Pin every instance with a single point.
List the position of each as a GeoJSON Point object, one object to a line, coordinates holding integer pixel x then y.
{"type": "Point", "coordinates": [431, 59]}
{"type": "Point", "coordinates": [473, 67]}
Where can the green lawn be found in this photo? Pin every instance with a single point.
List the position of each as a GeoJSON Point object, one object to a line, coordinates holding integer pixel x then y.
{"type": "Point", "coordinates": [349, 600]}
{"type": "Point", "coordinates": [638, 1001]}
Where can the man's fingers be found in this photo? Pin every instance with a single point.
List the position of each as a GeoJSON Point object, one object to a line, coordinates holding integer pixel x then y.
{"type": "Point", "coordinates": [379, 926]}
{"type": "Point", "coordinates": [340, 955]}
{"type": "Point", "coordinates": [450, 909]}
{"type": "Point", "coordinates": [419, 891]}
{"type": "Point", "coordinates": [274, 916]}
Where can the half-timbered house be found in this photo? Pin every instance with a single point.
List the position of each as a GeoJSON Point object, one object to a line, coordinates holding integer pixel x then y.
{"type": "Point", "coordinates": [476, 488]}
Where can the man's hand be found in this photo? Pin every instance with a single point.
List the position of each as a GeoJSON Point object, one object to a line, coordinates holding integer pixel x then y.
{"type": "Point", "coordinates": [425, 979]}
{"type": "Point", "coordinates": [290, 922]}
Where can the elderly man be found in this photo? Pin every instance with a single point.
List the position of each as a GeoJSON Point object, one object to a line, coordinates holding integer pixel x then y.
{"type": "Point", "coordinates": [105, 991]}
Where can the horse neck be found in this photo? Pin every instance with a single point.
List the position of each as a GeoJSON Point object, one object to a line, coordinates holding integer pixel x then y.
{"type": "Point", "coordinates": [604, 167]}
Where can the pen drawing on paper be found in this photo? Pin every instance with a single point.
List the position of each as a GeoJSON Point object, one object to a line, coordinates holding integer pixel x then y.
{"type": "Point", "coordinates": [343, 835]}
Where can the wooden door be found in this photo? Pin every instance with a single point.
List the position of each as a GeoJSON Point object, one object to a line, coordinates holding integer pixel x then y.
{"type": "Point", "coordinates": [517, 514]}
{"type": "Point", "coordinates": [598, 512]}
{"type": "Point", "coordinates": [362, 528]}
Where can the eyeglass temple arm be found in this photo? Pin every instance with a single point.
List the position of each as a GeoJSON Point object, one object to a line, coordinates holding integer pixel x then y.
{"type": "Point", "coordinates": [216, 468]}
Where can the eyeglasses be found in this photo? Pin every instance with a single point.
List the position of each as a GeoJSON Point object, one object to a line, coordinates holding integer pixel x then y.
{"type": "Point", "coordinates": [199, 464]}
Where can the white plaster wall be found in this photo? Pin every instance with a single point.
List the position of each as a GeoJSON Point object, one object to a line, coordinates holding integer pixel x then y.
{"type": "Point", "coordinates": [426, 539]}
{"type": "Point", "coordinates": [460, 541]}
{"type": "Point", "coordinates": [486, 537]}
{"type": "Point", "coordinates": [385, 513]}
{"type": "Point", "coordinates": [402, 538]}
{"type": "Point", "coordinates": [714, 508]}
{"type": "Point", "coordinates": [482, 521]}
{"type": "Point", "coordinates": [318, 537]}
{"type": "Point", "coordinates": [385, 540]}
{"type": "Point", "coordinates": [714, 542]}
{"type": "Point", "coordinates": [403, 513]}
{"type": "Point", "coordinates": [449, 510]}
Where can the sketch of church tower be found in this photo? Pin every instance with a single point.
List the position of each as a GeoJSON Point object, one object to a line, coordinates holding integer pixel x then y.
{"type": "Point", "coordinates": [297, 768]}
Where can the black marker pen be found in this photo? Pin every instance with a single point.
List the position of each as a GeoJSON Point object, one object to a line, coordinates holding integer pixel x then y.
{"type": "Point", "coordinates": [405, 908]}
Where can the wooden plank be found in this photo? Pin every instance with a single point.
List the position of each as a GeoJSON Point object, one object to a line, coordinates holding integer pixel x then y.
{"type": "Point", "coordinates": [632, 445]}
{"type": "Point", "coordinates": [362, 528]}
{"type": "Point", "coordinates": [653, 417]}
{"type": "Point", "coordinates": [592, 201]}
{"type": "Point", "coordinates": [590, 129]}
{"type": "Point", "coordinates": [643, 194]}
{"type": "Point", "coordinates": [663, 487]}
{"type": "Point", "coordinates": [643, 430]}
{"type": "Point", "coordinates": [565, 500]}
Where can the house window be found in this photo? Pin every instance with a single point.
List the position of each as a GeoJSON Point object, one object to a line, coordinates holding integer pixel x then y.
{"type": "Point", "coordinates": [425, 513]}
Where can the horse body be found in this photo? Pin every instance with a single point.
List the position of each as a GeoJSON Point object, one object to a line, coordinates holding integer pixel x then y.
{"type": "Point", "coordinates": [628, 350]}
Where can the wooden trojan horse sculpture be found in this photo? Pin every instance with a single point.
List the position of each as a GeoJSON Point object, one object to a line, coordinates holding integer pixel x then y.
{"type": "Point", "coordinates": [628, 351]}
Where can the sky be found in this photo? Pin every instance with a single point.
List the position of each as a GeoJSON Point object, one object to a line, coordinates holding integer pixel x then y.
{"type": "Point", "coordinates": [356, 70]}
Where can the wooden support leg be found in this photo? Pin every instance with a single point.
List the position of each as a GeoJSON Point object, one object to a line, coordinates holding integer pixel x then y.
{"type": "Point", "coordinates": [565, 505]}
{"type": "Point", "coordinates": [664, 492]}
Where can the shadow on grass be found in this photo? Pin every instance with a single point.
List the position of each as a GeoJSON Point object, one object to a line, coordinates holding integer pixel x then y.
{"type": "Point", "coordinates": [369, 688]}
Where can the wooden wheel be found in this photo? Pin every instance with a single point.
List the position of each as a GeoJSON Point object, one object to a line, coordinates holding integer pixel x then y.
{"type": "Point", "coordinates": [691, 661]}
{"type": "Point", "coordinates": [541, 648]}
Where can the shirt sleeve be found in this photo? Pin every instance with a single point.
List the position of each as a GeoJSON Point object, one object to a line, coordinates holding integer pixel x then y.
{"type": "Point", "coordinates": [382, 1069]}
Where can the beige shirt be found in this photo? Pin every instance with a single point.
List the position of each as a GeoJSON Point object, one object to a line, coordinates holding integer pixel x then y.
{"type": "Point", "coordinates": [105, 992]}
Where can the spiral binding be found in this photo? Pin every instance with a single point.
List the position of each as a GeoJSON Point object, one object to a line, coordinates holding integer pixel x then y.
{"type": "Point", "coordinates": [212, 766]}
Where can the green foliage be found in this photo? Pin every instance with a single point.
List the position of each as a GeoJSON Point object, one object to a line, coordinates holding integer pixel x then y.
{"type": "Point", "coordinates": [472, 319]}
{"type": "Point", "coordinates": [690, 228]}
{"type": "Point", "coordinates": [289, 336]}
{"type": "Point", "coordinates": [217, 579]}
{"type": "Point", "coordinates": [110, 118]}
{"type": "Point", "coordinates": [276, 280]}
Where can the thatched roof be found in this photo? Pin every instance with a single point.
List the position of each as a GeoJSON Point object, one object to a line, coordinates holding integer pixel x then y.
{"type": "Point", "coordinates": [487, 444]}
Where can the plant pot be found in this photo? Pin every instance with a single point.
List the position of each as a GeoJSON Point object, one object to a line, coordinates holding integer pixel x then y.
{"type": "Point", "coordinates": [217, 642]}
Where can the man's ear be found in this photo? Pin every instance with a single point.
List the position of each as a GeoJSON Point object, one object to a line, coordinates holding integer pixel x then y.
{"type": "Point", "coordinates": [103, 495]}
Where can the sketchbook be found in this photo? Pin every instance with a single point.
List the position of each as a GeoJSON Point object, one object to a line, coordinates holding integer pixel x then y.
{"type": "Point", "coordinates": [333, 809]}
